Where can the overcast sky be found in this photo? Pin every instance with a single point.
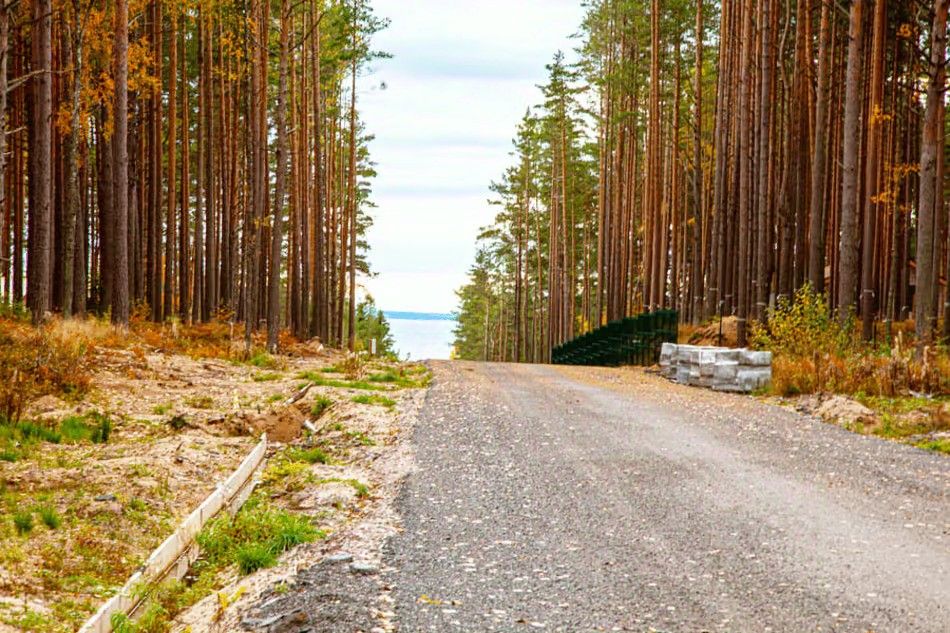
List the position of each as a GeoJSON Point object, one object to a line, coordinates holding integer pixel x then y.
{"type": "Point", "coordinates": [463, 73]}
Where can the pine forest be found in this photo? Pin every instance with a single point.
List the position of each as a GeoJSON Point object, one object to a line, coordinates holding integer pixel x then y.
{"type": "Point", "coordinates": [716, 158]}
{"type": "Point", "coordinates": [187, 159]}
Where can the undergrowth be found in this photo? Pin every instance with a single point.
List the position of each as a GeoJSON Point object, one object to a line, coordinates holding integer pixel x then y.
{"type": "Point", "coordinates": [252, 539]}
{"type": "Point", "coordinates": [377, 400]}
{"type": "Point", "coordinates": [813, 351]}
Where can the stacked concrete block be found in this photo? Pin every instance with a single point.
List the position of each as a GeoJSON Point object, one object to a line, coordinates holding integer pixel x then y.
{"type": "Point", "coordinates": [719, 368]}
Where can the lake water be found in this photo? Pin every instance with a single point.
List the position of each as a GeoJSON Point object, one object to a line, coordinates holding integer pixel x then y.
{"type": "Point", "coordinates": [422, 339]}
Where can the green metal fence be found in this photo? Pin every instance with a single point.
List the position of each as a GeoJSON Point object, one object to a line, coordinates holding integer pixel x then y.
{"type": "Point", "coordinates": [630, 341]}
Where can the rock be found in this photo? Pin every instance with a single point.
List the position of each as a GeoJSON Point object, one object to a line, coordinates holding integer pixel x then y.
{"type": "Point", "coordinates": [844, 410]}
{"type": "Point", "coordinates": [340, 557]}
{"type": "Point", "coordinates": [366, 569]}
{"type": "Point", "coordinates": [106, 497]}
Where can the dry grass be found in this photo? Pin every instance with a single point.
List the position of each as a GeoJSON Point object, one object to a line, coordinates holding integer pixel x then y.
{"type": "Point", "coordinates": [814, 352]}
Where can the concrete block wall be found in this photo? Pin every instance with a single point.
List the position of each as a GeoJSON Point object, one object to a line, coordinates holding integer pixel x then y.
{"type": "Point", "coordinates": [719, 368]}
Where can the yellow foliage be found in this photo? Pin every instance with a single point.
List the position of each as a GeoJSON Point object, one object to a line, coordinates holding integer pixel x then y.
{"type": "Point", "coordinates": [814, 352]}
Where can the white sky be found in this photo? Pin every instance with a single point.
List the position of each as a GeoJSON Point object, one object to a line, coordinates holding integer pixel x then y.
{"type": "Point", "coordinates": [462, 76]}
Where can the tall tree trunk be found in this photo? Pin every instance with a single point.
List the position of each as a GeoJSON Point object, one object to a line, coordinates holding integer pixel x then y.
{"type": "Point", "coordinates": [745, 171]}
{"type": "Point", "coordinates": [764, 240]}
{"type": "Point", "coordinates": [930, 136]}
{"type": "Point", "coordinates": [172, 171]}
{"type": "Point", "coordinates": [41, 161]}
{"type": "Point", "coordinates": [354, 204]}
{"type": "Point", "coordinates": [697, 277]}
{"type": "Point", "coordinates": [849, 242]}
{"type": "Point", "coordinates": [817, 227]}
{"type": "Point", "coordinates": [283, 150]}
{"type": "Point", "coordinates": [873, 161]}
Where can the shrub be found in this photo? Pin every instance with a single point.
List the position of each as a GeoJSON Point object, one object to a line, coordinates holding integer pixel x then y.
{"type": "Point", "coordinates": [802, 327]}
{"type": "Point", "coordinates": [23, 522]}
{"type": "Point", "coordinates": [320, 406]}
{"type": "Point", "coordinates": [34, 362]}
{"type": "Point", "coordinates": [49, 516]}
{"type": "Point", "coordinates": [309, 455]}
{"type": "Point", "coordinates": [814, 352]}
{"type": "Point", "coordinates": [353, 366]}
{"type": "Point", "coordinates": [254, 537]}
{"type": "Point", "coordinates": [254, 556]}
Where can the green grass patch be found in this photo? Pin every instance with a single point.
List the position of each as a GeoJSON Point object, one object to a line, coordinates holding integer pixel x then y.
{"type": "Point", "coordinates": [386, 376]}
{"type": "Point", "coordinates": [49, 516]}
{"type": "Point", "coordinates": [265, 376]}
{"type": "Point", "coordinates": [23, 522]}
{"type": "Point", "coordinates": [939, 446]}
{"type": "Point", "coordinates": [320, 406]}
{"type": "Point", "coordinates": [313, 455]}
{"type": "Point", "coordinates": [162, 409]}
{"type": "Point", "coordinates": [321, 381]}
{"type": "Point", "coordinates": [263, 360]}
{"type": "Point", "coordinates": [381, 401]}
{"type": "Point", "coordinates": [253, 538]}
{"type": "Point", "coordinates": [93, 427]}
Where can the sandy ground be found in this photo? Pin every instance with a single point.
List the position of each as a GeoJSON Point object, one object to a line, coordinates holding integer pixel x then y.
{"type": "Point", "coordinates": [180, 425]}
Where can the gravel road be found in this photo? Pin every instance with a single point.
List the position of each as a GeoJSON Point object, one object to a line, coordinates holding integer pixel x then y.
{"type": "Point", "coordinates": [576, 499]}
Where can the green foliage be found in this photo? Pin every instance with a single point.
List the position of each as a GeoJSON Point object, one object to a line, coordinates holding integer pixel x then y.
{"type": "Point", "coordinates": [313, 455]}
{"type": "Point", "coordinates": [940, 445]}
{"type": "Point", "coordinates": [320, 406]}
{"type": "Point", "coordinates": [162, 409]}
{"type": "Point", "coordinates": [265, 376]}
{"type": "Point", "coordinates": [177, 422]}
{"type": "Point", "coordinates": [802, 327]}
{"type": "Point", "coordinates": [381, 401]}
{"type": "Point", "coordinates": [253, 556]}
{"type": "Point", "coordinates": [371, 324]}
{"type": "Point", "coordinates": [23, 522]}
{"type": "Point", "coordinates": [14, 312]}
{"type": "Point", "coordinates": [49, 516]}
{"type": "Point", "coordinates": [263, 360]}
{"type": "Point", "coordinates": [386, 376]}
{"type": "Point", "coordinates": [253, 538]}
{"type": "Point", "coordinates": [92, 426]}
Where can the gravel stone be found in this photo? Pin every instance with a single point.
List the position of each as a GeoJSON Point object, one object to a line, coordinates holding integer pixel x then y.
{"type": "Point", "coordinates": [585, 499]}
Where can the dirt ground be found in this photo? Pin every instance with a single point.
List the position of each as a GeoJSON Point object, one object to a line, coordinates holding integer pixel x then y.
{"type": "Point", "coordinates": [179, 426]}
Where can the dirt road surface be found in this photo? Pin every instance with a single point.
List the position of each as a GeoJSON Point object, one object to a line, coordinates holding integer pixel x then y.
{"type": "Point", "coordinates": [575, 499]}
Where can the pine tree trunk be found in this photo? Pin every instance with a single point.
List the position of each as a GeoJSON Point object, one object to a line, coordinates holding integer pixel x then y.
{"type": "Point", "coordinates": [40, 240]}
{"type": "Point", "coordinates": [283, 150]}
{"type": "Point", "coordinates": [817, 226]}
{"type": "Point", "coordinates": [873, 205]}
{"type": "Point", "coordinates": [930, 136]}
{"type": "Point", "coordinates": [849, 240]}
{"type": "Point", "coordinates": [172, 171]}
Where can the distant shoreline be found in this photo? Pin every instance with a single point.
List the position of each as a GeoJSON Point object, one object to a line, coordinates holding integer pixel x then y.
{"type": "Point", "coordinates": [419, 316]}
